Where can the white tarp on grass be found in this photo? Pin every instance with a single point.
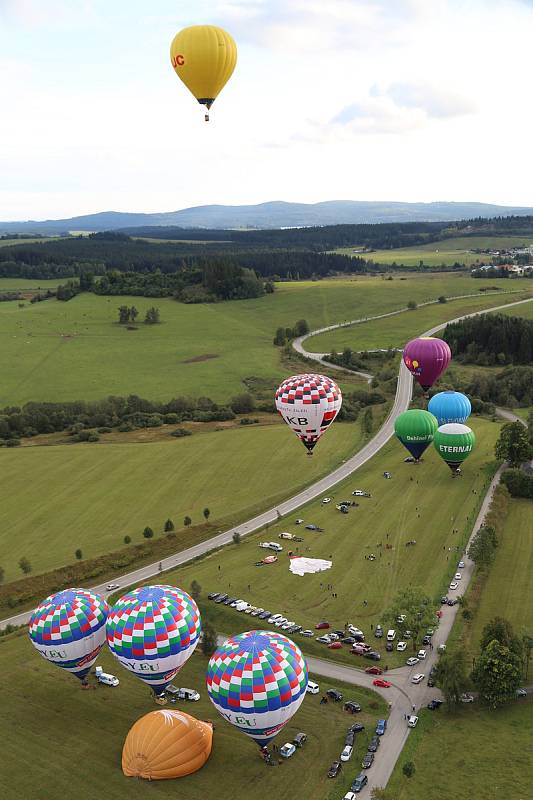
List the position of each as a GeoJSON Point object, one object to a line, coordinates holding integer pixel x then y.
{"type": "Point", "coordinates": [300, 565]}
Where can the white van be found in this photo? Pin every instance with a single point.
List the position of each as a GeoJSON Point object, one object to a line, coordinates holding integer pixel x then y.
{"type": "Point", "coordinates": [286, 535]}
{"type": "Point", "coordinates": [391, 635]}
{"type": "Point", "coordinates": [105, 677]}
{"type": "Point", "coordinates": [313, 688]}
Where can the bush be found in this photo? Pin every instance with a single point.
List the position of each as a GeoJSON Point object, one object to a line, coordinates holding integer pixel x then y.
{"type": "Point", "coordinates": [248, 421]}
{"type": "Point", "coordinates": [179, 432]}
{"type": "Point", "coordinates": [236, 537]}
{"type": "Point", "coordinates": [148, 532]}
{"type": "Point", "coordinates": [443, 299]}
{"type": "Point", "coordinates": [242, 403]}
{"type": "Point", "coordinates": [412, 305]}
{"type": "Point", "coordinates": [126, 428]}
{"type": "Point", "coordinates": [105, 430]}
{"type": "Point", "coordinates": [127, 539]}
{"type": "Point", "coordinates": [13, 443]}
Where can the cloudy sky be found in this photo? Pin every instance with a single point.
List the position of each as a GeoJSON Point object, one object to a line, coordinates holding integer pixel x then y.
{"type": "Point", "coordinates": [415, 100]}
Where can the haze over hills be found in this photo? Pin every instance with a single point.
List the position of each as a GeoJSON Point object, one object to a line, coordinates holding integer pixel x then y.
{"type": "Point", "coordinates": [275, 214]}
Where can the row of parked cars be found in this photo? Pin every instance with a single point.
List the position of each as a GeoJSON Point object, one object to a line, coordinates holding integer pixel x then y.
{"type": "Point", "coordinates": [361, 780]}
{"type": "Point", "coordinates": [243, 606]}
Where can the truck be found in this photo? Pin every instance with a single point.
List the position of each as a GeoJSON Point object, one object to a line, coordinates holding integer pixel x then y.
{"type": "Point", "coordinates": [182, 693]}
{"type": "Point", "coordinates": [105, 677]}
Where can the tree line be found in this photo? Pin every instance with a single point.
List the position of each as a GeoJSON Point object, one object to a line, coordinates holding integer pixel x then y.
{"type": "Point", "coordinates": [490, 339]}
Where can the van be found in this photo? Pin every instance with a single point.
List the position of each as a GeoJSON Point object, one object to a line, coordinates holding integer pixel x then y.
{"type": "Point", "coordinates": [106, 678]}
{"type": "Point", "coordinates": [391, 635]}
{"type": "Point", "coordinates": [182, 693]}
{"type": "Point", "coordinates": [313, 688]}
{"type": "Point", "coordinates": [286, 535]}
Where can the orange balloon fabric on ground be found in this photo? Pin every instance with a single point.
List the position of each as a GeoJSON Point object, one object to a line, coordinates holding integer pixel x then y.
{"type": "Point", "coordinates": [166, 744]}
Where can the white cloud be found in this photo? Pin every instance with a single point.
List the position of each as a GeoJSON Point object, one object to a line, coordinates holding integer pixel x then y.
{"type": "Point", "coordinates": [47, 13]}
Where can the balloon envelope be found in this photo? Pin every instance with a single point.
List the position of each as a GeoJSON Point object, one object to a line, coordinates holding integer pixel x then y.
{"type": "Point", "coordinates": [426, 358]}
{"type": "Point", "coordinates": [415, 430]}
{"type": "Point", "coordinates": [308, 404]}
{"type": "Point", "coordinates": [68, 629]}
{"type": "Point", "coordinates": [454, 443]}
{"type": "Point", "coordinates": [152, 631]}
{"type": "Point", "coordinates": [257, 681]}
{"type": "Point", "coordinates": [203, 57]}
{"type": "Point", "coordinates": [450, 406]}
{"type": "Point", "coordinates": [166, 744]}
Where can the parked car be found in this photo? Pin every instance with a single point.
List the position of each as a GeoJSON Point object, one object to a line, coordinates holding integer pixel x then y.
{"type": "Point", "coordinates": [274, 618]}
{"type": "Point", "coordinates": [400, 618]}
{"type": "Point", "coordinates": [343, 509]}
{"type": "Point", "coordinates": [279, 622]}
{"type": "Point", "coordinates": [378, 632]}
{"type": "Point", "coordinates": [256, 612]}
{"type": "Point", "coordinates": [249, 610]}
{"type": "Point", "coordinates": [461, 564]}
{"type": "Point", "coordinates": [356, 728]}
{"type": "Point", "coordinates": [298, 521]}
{"type": "Point", "coordinates": [443, 600]}
{"type": "Point", "coordinates": [521, 692]}
{"type": "Point", "coordinates": [300, 739]}
{"type": "Point", "coordinates": [381, 727]}
{"type": "Point", "coordinates": [335, 646]}
{"type": "Point", "coordinates": [212, 596]}
{"type": "Point", "coordinates": [322, 625]}
{"type": "Point", "coordinates": [323, 639]}
{"type": "Point", "coordinates": [372, 655]}
{"type": "Point", "coordinates": [389, 647]}
{"type": "Point", "coordinates": [287, 625]}
{"type": "Point", "coordinates": [352, 707]}
{"type": "Point", "coordinates": [368, 760]}
{"type": "Point", "coordinates": [412, 661]}
{"type": "Point", "coordinates": [458, 576]}
{"type": "Point", "coordinates": [221, 598]}
{"type": "Point", "coordinates": [381, 682]}
{"type": "Point", "coordinates": [374, 744]}
{"type": "Point", "coordinates": [182, 693]}
{"type": "Point", "coordinates": [312, 687]}
{"type": "Point", "coordinates": [401, 646]}
{"type": "Point", "coordinates": [361, 493]}
{"type": "Point", "coordinates": [265, 614]}
{"type": "Point", "coordinates": [426, 639]}
{"type": "Point", "coordinates": [286, 535]}
{"type": "Point", "coordinates": [307, 633]}
{"type": "Point", "coordinates": [105, 677]}
{"type": "Point", "coordinates": [287, 750]}
{"type": "Point", "coordinates": [271, 546]}
{"type": "Point", "coordinates": [229, 601]}
{"type": "Point", "coordinates": [334, 694]}
{"type": "Point", "coordinates": [347, 753]}
{"type": "Point", "coordinates": [348, 640]}
{"type": "Point", "coordinates": [374, 671]}
{"type": "Point", "coordinates": [326, 500]}
{"type": "Point", "coordinates": [466, 698]}
{"type": "Point", "coordinates": [359, 783]}
{"type": "Point", "coordinates": [311, 528]}
{"type": "Point", "coordinates": [412, 721]}
{"type": "Point", "coordinates": [452, 601]}
{"type": "Point", "coordinates": [433, 705]}
{"type": "Point", "coordinates": [422, 654]}
{"type": "Point", "coordinates": [453, 585]}
{"type": "Point", "coordinates": [418, 678]}
{"type": "Point", "coordinates": [391, 635]}
{"type": "Point", "coordinates": [334, 769]}
{"type": "Point", "coordinates": [349, 739]}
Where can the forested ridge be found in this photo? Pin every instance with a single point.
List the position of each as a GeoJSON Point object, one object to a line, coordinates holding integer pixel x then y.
{"type": "Point", "coordinates": [491, 339]}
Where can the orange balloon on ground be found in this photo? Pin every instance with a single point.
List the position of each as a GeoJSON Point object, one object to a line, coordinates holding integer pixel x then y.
{"type": "Point", "coordinates": [166, 744]}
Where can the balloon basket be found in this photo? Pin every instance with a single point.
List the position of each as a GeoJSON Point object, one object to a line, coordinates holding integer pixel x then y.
{"type": "Point", "coordinates": [160, 700]}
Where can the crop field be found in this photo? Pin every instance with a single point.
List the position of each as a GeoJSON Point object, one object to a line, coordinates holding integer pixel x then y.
{"type": "Point", "coordinates": [58, 351]}
{"type": "Point", "coordinates": [447, 251]}
{"type": "Point", "coordinates": [421, 502]}
{"type": "Point", "coordinates": [56, 499]}
{"type": "Point", "coordinates": [507, 591]}
{"type": "Point", "coordinates": [469, 753]}
{"type": "Point", "coordinates": [396, 331]}
{"type": "Point", "coordinates": [71, 740]}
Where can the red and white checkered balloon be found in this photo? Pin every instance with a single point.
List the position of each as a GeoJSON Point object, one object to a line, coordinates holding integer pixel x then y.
{"type": "Point", "coordinates": [308, 404]}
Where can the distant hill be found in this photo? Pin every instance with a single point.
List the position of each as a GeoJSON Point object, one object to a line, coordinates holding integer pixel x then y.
{"type": "Point", "coordinates": [275, 214]}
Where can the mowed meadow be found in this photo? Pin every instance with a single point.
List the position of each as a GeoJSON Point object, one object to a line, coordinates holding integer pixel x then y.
{"type": "Point", "coordinates": [58, 498]}
{"type": "Point", "coordinates": [59, 351]}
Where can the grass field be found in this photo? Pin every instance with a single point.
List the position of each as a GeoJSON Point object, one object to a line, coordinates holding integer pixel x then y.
{"type": "Point", "coordinates": [27, 284]}
{"type": "Point", "coordinates": [66, 351]}
{"type": "Point", "coordinates": [395, 331]}
{"type": "Point", "coordinates": [470, 753]}
{"type": "Point", "coordinates": [58, 498]}
{"type": "Point", "coordinates": [507, 591]}
{"type": "Point", "coordinates": [448, 251]}
{"type": "Point", "coordinates": [59, 741]}
{"type": "Point", "coordinates": [427, 509]}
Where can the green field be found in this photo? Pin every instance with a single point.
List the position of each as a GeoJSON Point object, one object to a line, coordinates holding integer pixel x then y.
{"type": "Point", "coordinates": [59, 741]}
{"type": "Point", "coordinates": [28, 284]}
{"type": "Point", "coordinates": [507, 591]}
{"type": "Point", "coordinates": [447, 251]}
{"type": "Point", "coordinates": [395, 331]}
{"type": "Point", "coordinates": [470, 753]}
{"type": "Point", "coordinates": [66, 351]}
{"type": "Point", "coordinates": [390, 516]}
{"type": "Point", "coordinates": [58, 498]}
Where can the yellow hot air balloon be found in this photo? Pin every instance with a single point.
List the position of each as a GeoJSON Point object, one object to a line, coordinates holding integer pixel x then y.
{"type": "Point", "coordinates": [204, 57]}
{"type": "Point", "coordinates": [166, 744]}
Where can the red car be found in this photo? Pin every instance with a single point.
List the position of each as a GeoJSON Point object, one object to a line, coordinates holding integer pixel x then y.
{"type": "Point", "coordinates": [321, 625]}
{"type": "Point", "coordinates": [382, 683]}
{"type": "Point", "coordinates": [374, 671]}
{"type": "Point", "coordinates": [335, 646]}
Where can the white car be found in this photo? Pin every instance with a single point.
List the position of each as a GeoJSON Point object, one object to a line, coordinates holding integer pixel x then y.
{"type": "Point", "coordinates": [400, 618]}
{"type": "Point", "coordinates": [105, 677]}
{"type": "Point", "coordinates": [458, 576]}
{"type": "Point", "coordinates": [242, 605]}
{"type": "Point", "coordinates": [466, 698]}
{"type": "Point", "coordinates": [326, 500]}
{"type": "Point", "coordinates": [347, 753]}
{"type": "Point", "coordinates": [350, 796]}
{"type": "Point", "coordinates": [307, 633]}
{"type": "Point", "coordinates": [333, 637]}
{"type": "Point", "coordinates": [461, 564]}
{"type": "Point", "coordinates": [324, 639]}
{"type": "Point", "coordinates": [401, 646]}
{"type": "Point", "coordinates": [454, 585]}
{"type": "Point", "coordinates": [287, 625]}
{"type": "Point", "coordinates": [250, 609]}
{"type": "Point", "coordinates": [312, 687]}
{"type": "Point", "coordinates": [412, 661]}
{"type": "Point", "coordinates": [271, 546]}
{"type": "Point", "coordinates": [111, 586]}
{"type": "Point", "coordinates": [256, 612]}
{"type": "Point", "coordinates": [274, 618]}
{"type": "Point", "coordinates": [353, 631]}
{"type": "Point", "coordinates": [280, 622]}
{"type": "Point", "coordinates": [287, 750]}
{"type": "Point", "coordinates": [412, 721]}
{"type": "Point", "coordinates": [298, 522]}
{"type": "Point", "coordinates": [418, 678]}
{"type": "Point", "coordinates": [422, 654]}
{"type": "Point", "coordinates": [360, 493]}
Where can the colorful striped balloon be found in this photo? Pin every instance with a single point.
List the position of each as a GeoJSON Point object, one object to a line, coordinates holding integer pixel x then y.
{"type": "Point", "coordinates": [152, 631]}
{"type": "Point", "coordinates": [308, 404]}
{"type": "Point", "coordinates": [257, 681]}
{"type": "Point", "coordinates": [68, 629]}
